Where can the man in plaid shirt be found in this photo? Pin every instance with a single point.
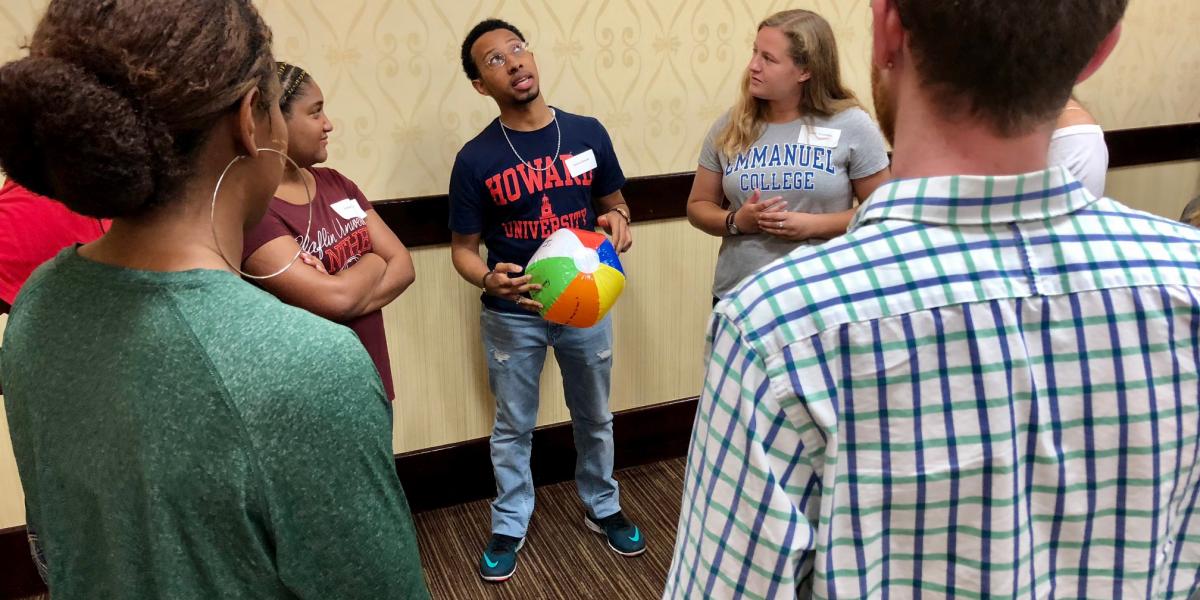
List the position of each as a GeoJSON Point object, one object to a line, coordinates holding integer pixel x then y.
{"type": "Point", "coordinates": [988, 386]}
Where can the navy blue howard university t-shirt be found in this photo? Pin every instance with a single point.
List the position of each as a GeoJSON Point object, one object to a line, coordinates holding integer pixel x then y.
{"type": "Point", "coordinates": [513, 207]}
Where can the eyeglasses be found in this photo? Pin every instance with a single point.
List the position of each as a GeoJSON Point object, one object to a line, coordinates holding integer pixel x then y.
{"type": "Point", "coordinates": [498, 59]}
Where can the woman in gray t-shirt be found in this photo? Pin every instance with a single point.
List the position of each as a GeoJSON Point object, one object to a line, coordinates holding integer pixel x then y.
{"type": "Point", "coordinates": [790, 156]}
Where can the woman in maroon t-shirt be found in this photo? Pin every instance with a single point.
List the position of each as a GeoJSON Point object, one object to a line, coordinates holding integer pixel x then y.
{"type": "Point", "coordinates": [355, 264]}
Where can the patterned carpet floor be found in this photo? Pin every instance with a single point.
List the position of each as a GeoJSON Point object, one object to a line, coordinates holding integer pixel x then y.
{"type": "Point", "coordinates": [561, 558]}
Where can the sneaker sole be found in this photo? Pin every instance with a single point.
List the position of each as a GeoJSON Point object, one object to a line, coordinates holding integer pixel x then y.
{"type": "Point", "coordinates": [596, 529]}
{"type": "Point", "coordinates": [503, 578]}
{"type": "Point", "coordinates": [500, 579]}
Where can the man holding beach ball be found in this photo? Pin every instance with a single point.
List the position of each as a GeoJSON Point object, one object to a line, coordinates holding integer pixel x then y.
{"type": "Point", "coordinates": [534, 171]}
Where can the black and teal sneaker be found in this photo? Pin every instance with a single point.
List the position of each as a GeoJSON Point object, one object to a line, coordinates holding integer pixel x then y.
{"type": "Point", "coordinates": [499, 560]}
{"type": "Point", "coordinates": [623, 536]}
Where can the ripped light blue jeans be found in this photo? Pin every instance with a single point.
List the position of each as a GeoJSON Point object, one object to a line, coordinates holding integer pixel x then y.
{"type": "Point", "coordinates": [516, 351]}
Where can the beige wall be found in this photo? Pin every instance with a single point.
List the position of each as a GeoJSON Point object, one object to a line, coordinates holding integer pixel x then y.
{"type": "Point", "coordinates": [659, 326]}
{"type": "Point", "coordinates": [656, 72]}
{"type": "Point", "coordinates": [1160, 189]}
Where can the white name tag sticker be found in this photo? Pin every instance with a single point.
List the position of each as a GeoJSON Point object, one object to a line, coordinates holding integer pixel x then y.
{"type": "Point", "coordinates": [581, 163]}
{"type": "Point", "coordinates": [348, 209]}
{"type": "Point", "coordinates": [822, 137]}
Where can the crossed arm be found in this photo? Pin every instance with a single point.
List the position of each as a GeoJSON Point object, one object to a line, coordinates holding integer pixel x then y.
{"type": "Point", "coordinates": [378, 278]}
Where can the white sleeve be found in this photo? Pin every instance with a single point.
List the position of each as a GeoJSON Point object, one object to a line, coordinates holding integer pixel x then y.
{"type": "Point", "coordinates": [1081, 149]}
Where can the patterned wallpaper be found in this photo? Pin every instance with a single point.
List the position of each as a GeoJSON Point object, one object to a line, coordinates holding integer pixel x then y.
{"type": "Point", "coordinates": [656, 72]}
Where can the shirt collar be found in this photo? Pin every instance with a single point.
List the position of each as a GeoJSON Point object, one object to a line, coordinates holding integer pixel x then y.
{"type": "Point", "coordinates": [976, 199]}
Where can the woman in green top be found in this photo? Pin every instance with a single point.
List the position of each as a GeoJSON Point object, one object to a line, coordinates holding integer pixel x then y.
{"type": "Point", "coordinates": [172, 435]}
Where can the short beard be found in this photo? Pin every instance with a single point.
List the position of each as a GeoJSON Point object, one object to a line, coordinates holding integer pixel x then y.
{"type": "Point", "coordinates": [884, 110]}
{"type": "Point", "coordinates": [531, 98]}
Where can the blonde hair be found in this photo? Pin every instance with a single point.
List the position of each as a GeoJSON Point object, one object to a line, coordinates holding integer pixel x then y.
{"type": "Point", "coordinates": [812, 47]}
{"type": "Point", "coordinates": [1191, 213]}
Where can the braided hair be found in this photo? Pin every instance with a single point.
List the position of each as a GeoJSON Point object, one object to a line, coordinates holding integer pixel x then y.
{"type": "Point", "coordinates": [292, 80]}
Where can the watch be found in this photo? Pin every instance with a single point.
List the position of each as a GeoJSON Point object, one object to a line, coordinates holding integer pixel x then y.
{"type": "Point", "coordinates": [730, 225]}
{"type": "Point", "coordinates": [623, 212]}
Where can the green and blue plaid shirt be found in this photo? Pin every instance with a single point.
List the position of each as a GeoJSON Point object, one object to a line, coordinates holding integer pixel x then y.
{"type": "Point", "coordinates": [987, 387]}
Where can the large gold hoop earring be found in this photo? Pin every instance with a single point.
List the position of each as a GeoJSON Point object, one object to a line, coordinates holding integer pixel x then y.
{"type": "Point", "coordinates": [212, 213]}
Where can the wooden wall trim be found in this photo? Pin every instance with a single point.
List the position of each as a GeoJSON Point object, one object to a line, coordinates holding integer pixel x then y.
{"type": "Point", "coordinates": [1153, 145]}
{"type": "Point", "coordinates": [18, 577]}
{"type": "Point", "coordinates": [422, 221]}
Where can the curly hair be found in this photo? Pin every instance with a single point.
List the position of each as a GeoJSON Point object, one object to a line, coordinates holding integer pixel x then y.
{"type": "Point", "coordinates": [1191, 213]}
{"type": "Point", "coordinates": [116, 97]}
{"type": "Point", "coordinates": [292, 80]}
{"type": "Point", "coordinates": [478, 31]}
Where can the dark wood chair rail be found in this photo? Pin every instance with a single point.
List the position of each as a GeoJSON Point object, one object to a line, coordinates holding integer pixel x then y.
{"type": "Point", "coordinates": [422, 221]}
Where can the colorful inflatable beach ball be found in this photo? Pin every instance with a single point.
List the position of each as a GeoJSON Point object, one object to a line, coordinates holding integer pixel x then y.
{"type": "Point", "coordinates": [580, 275]}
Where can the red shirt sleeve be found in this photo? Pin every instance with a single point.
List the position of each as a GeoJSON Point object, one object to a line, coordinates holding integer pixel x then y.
{"type": "Point", "coordinates": [14, 270]}
{"type": "Point", "coordinates": [33, 229]}
{"type": "Point", "coordinates": [270, 228]}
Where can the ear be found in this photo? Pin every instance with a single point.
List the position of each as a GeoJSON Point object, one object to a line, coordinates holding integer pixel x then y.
{"type": "Point", "coordinates": [805, 75]}
{"type": "Point", "coordinates": [887, 34]}
{"type": "Point", "coordinates": [1106, 47]}
{"type": "Point", "coordinates": [246, 127]}
{"type": "Point", "coordinates": [478, 85]}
